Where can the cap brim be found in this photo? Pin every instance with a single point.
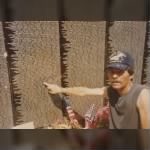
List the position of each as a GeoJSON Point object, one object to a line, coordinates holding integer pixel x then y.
{"type": "Point", "coordinates": [117, 66]}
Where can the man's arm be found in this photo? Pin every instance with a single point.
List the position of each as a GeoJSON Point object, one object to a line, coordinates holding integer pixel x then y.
{"type": "Point", "coordinates": [81, 91]}
{"type": "Point", "coordinates": [143, 105]}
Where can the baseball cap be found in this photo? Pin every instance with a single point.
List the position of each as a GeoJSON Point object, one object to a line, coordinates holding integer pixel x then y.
{"type": "Point", "coordinates": [121, 60]}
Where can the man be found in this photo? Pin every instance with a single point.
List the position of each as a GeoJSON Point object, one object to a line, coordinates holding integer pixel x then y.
{"type": "Point", "coordinates": [128, 102]}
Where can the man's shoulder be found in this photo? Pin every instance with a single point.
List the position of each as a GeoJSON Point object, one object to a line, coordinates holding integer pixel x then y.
{"type": "Point", "coordinates": [145, 90]}
{"type": "Point", "coordinates": [142, 87]}
{"type": "Point", "coordinates": [145, 86]}
{"type": "Point", "coordinates": [144, 95]}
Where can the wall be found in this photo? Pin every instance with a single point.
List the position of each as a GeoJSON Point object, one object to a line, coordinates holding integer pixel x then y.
{"type": "Point", "coordinates": [65, 53]}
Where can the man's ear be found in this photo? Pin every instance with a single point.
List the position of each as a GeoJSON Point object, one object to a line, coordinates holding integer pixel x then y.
{"type": "Point", "coordinates": [132, 77]}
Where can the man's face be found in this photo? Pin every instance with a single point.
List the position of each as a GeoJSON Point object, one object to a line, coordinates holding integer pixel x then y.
{"type": "Point", "coordinates": [118, 79]}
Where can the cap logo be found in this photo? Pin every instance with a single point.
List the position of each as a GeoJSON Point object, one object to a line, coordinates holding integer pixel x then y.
{"type": "Point", "coordinates": [117, 57]}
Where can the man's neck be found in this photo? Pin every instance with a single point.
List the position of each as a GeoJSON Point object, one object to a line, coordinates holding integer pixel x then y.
{"type": "Point", "coordinates": [126, 89]}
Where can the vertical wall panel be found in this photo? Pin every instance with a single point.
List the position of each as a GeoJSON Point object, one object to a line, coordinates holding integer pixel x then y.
{"type": "Point", "coordinates": [130, 36]}
{"type": "Point", "coordinates": [85, 60]}
{"type": "Point", "coordinates": [6, 119]}
{"type": "Point", "coordinates": [148, 50]}
{"type": "Point", "coordinates": [37, 59]}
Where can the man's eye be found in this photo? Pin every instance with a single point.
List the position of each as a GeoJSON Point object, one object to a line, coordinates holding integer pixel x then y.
{"type": "Point", "coordinates": [119, 71]}
{"type": "Point", "coordinates": [116, 71]}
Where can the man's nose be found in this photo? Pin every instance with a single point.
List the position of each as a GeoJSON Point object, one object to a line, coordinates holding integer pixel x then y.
{"type": "Point", "coordinates": [114, 75]}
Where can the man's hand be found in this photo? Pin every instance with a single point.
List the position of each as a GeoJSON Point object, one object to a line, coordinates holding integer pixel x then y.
{"type": "Point", "coordinates": [53, 88]}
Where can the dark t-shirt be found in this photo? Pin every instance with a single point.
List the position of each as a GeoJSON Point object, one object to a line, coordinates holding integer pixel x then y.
{"type": "Point", "coordinates": [123, 109]}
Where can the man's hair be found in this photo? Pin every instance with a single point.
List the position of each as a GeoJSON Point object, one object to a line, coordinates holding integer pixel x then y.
{"type": "Point", "coordinates": [131, 71]}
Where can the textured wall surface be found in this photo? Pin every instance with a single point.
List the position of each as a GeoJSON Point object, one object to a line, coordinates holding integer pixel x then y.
{"type": "Point", "coordinates": [6, 119]}
{"type": "Point", "coordinates": [130, 36]}
{"type": "Point", "coordinates": [85, 60]}
{"type": "Point", "coordinates": [39, 51]}
{"type": "Point", "coordinates": [148, 52]}
{"type": "Point", "coordinates": [37, 60]}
